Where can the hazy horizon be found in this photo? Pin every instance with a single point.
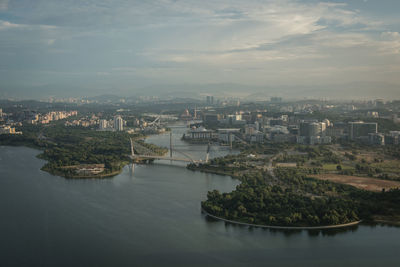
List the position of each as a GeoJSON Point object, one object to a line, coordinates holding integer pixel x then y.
{"type": "Point", "coordinates": [290, 48]}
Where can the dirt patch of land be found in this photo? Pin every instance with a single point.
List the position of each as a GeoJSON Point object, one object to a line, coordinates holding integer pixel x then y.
{"type": "Point", "coordinates": [365, 183]}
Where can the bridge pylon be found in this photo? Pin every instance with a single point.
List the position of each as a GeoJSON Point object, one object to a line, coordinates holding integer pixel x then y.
{"type": "Point", "coordinates": [208, 152]}
{"type": "Point", "coordinates": [132, 149]}
{"type": "Point", "coordinates": [170, 144]}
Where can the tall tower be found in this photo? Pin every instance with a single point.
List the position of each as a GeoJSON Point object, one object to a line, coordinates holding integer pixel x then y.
{"type": "Point", "coordinates": [118, 123]}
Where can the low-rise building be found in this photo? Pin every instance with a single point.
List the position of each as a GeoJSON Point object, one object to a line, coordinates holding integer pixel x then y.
{"type": "Point", "coordinates": [376, 139]}
{"type": "Point", "coordinates": [255, 137]}
{"type": "Point", "coordinates": [89, 169]}
{"type": "Point", "coordinates": [5, 129]}
{"type": "Point", "coordinates": [227, 135]}
{"type": "Point", "coordinates": [392, 138]}
{"type": "Point", "coordinates": [199, 133]}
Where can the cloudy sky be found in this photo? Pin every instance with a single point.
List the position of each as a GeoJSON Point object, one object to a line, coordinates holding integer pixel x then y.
{"type": "Point", "coordinates": [62, 47]}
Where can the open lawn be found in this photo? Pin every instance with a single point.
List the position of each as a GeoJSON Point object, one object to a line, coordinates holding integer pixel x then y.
{"type": "Point", "coordinates": [332, 167]}
{"type": "Point", "coordinates": [365, 183]}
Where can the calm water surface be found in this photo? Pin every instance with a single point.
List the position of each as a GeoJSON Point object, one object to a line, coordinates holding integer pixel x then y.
{"type": "Point", "coordinates": [152, 217]}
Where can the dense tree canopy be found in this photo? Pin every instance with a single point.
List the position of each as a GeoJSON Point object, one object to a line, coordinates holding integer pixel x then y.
{"type": "Point", "coordinates": [296, 200]}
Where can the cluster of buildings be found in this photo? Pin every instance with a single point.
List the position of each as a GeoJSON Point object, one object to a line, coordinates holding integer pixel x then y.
{"type": "Point", "coordinates": [116, 124]}
{"type": "Point", "coordinates": [242, 129]}
{"type": "Point", "coordinates": [6, 128]}
{"type": "Point", "coordinates": [313, 132]}
{"type": "Point", "coordinates": [256, 127]}
{"type": "Point", "coordinates": [86, 121]}
{"type": "Point", "coordinates": [367, 132]}
{"type": "Point", "coordinates": [35, 118]}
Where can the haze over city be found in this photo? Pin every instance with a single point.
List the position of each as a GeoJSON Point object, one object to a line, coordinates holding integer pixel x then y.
{"type": "Point", "coordinates": [334, 49]}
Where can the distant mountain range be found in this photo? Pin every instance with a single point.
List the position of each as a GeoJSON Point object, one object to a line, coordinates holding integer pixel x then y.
{"type": "Point", "coordinates": [355, 90]}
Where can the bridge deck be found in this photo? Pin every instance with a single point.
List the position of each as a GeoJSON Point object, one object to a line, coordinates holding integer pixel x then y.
{"type": "Point", "coordinates": [163, 158]}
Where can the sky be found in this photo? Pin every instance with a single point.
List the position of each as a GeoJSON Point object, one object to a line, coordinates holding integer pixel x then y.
{"type": "Point", "coordinates": [275, 48]}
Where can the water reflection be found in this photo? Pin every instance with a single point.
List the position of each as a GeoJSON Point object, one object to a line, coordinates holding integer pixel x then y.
{"type": "Point", "coordinates": [155, 220]}
{"type": "Point", "coordinates": [287, 232]}
{"type": "Point", "coordinates": [131, 170]}
{"type": "Point", "coordinates": [195, 151]}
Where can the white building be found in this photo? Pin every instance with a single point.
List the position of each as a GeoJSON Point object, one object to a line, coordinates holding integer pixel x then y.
{"type": "Point", "coordinates": [118, 123]}
{"type": "Point", "coordinates": [199, 133]}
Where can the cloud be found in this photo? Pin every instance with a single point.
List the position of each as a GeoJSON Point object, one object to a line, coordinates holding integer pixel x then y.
{"type": "Point", "coordinates": [225, 29]}
{"type": "Point", "coordinates": [4, 4]}
{"type": "Point", "coordinates": [255, 41]}
{"type": "Point", "coordinates": [5, 25]}
{"type": "Point", "coordinates": [390, 35]}
{"type": "Point", "coordinates": [390, 43]}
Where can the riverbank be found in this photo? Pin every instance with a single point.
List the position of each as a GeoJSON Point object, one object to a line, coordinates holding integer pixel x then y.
{"type": "Point", "coordinates": [281, 227]}
{"type": "Point", "coordinates": [96, 176]}
{"type": "Point", "coordinates": [387, 220]}
{"type": "Point", "coordinates": [193, 167]}
{"type": "Point", "coordinates": [72, 174]}
{"type": "Point", "coordinates": [103, 222]}
{"type": "Point", "coordinates": [63, 147]}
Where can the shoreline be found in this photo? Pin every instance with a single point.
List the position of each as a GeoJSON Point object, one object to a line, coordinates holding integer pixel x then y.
{"type": "Point", "coordinates": [282, 227]}
{"type": "Point", "coordinates": [60, 174]}
{"type": "Point", "coordinates": [223, 173]}
{"type": "Point", "coordinates": [100, 176]}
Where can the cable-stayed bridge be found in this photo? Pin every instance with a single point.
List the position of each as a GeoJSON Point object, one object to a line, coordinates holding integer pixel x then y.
{"type": "Point", "coordinates": [143, 153]}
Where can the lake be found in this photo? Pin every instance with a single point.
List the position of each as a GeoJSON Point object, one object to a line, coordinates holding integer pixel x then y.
{"type": "Point", "coordinates": [150, 216]}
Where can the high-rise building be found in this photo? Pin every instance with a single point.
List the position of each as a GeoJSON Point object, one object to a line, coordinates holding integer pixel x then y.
{"type": "Point", "coordinates": [359, 129]}
{"type": "Point", "coordinates": [327, 123]}
{"type": "Point", "coordinates": [210, 99]}
{"type": "Point", "coordinates": [118, 123]}
{"type": "Point", "coordinates": [322, 128]}
{"type": "Point", "coordinates": [211, 118]}
{"type": "Point", "coordinates": [310, 129]}
{"type": "Point", "coordinates": [103, 124]}
{"type": "Point", "coordinates": [313, 133]}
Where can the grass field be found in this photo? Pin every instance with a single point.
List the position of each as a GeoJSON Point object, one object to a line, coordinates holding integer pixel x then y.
{"type": "Point", "coordinates": [332, 167]}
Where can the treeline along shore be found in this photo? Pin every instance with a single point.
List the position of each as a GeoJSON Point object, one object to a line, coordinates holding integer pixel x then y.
{"type": "Point", "coordinates": [78, 152]}
{"type": "Point", "coordinates": [286, 197]}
